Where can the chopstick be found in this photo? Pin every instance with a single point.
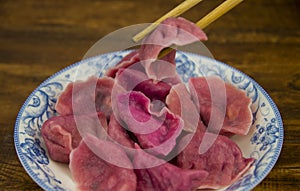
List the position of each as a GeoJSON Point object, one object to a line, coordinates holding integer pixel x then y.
{"type": "Point", "coordinates": [208, 19]}
{"type": "Point", "coordinates": [217, 13]}
{"type": "Point", "coordinates": [181, 8]}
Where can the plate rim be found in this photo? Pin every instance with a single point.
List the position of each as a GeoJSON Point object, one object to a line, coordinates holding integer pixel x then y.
{"type": "Point", "coordinates": [273, 105]}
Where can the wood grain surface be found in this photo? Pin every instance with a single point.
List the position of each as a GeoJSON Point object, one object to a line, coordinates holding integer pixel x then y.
{"type": "Point", "coordinates": [38, 38]}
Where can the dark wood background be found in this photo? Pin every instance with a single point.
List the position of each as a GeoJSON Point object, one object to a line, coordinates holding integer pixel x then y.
{"type": "Point", "coordinates": [38, 38]}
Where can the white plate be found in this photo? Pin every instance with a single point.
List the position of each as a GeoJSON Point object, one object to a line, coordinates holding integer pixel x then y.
{"type": "Point", "coordinates": [264, 141]}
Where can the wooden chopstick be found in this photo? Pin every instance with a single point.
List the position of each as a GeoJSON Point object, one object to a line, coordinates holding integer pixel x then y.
{"type": "Point", "coordinates": [208, 19]}
{"type": "Point", "coordinates": [181, 8]}
{"type": "Point", "coordinates": [217, 13]}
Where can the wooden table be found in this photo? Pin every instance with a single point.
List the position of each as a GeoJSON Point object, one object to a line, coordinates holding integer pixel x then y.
{"type": "Point", "coordinates": [39, 38]}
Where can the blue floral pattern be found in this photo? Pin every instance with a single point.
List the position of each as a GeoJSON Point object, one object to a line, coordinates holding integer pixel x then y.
{"type": "Point", "coordinates": [41, 107]}
{"type": "Point", "coordinates": [265, 135]}
{"type": "Point", "coordinates": [185, 67]}
{"type": "Point", "coordinates": [264, 144]}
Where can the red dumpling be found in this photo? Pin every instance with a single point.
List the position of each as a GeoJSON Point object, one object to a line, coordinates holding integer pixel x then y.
{"type": "Point", "coordinates": [130, 79]}
{"type": "Point", "coordinates": [61, 134]}
{"type": "Point", "coordinates": [237, 113]}
{"type": "Point", "coordinates": [220, 157]}
{"type": "Point", "coordinates": [156, 131]}
{"type": "Point", "coordinates": [92, 173]}
{"type": "Point", "coordinates": [129, 60]}
{"type": "Point", "coordinates": [163, 176]}
{"type": "Point", "coordinates": [171, 31]}
{"type": "Point", "coordinates": [179, 101]}
{"type": "Point", "coordinates": [83, 97]}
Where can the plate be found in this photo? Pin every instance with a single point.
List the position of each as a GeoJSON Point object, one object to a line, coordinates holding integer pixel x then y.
{"type": "Point", "coordinates": [264, 141]}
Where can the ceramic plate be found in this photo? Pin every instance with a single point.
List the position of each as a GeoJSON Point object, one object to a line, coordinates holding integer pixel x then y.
{"type": "Point", "coordinates": [264, 141]}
